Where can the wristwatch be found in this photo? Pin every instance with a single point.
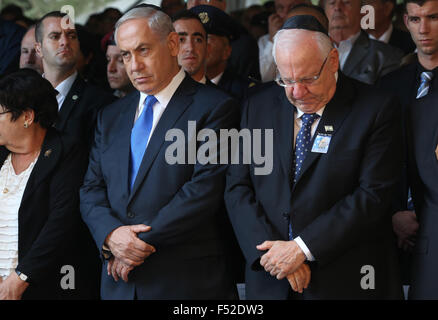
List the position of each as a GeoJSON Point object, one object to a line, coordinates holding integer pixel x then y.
{"type": "Point", "coordinates": [22, 276]}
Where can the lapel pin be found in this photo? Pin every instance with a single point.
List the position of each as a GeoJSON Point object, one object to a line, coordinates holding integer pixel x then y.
{"type": "Point", "coordinates": [75, 97]}
{"type": "Point", "coordinates": [328, 128]}
{"type": "Point", "coordinates": [48, 153]}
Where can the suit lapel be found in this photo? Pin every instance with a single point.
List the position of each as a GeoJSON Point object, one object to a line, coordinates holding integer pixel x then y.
{"type": "Point", "coordinates": [49, 157]}
{"type": "Point", "coordinates": [180, 101]}
{"type": "Point", "coordinates": [358, 52]}
{"type": "Point", "coordinates": [73, 97]}
{"type": "Point", "coordinates": [334, 114]}
{"type": "Point", "coordinates": [284, 130]}
{"type": "Point", "coordinates": [121, 145]}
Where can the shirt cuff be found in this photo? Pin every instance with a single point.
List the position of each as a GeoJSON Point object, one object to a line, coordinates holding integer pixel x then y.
{"type": "Point", "coordinates": [303, 247]}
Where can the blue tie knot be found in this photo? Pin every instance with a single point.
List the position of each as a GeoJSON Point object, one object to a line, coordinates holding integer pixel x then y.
{"type": "Point", "coordinates": [426, 76]}
{"type": "Point", "coordinates": [309, 118]}
{"type": "Point", "coordinates": [423, 89]}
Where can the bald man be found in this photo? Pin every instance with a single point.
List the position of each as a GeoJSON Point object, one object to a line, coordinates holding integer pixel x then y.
{"type": "Point", "coordinates": [318, 226]}
{"type": "Point", "coordinates": [28, 55]}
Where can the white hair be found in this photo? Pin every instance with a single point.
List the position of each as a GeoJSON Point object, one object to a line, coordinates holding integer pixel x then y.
{"type": "Point", "coordinates": [292, 37]}
{"type": "Point", "coordinates": [158, 21]}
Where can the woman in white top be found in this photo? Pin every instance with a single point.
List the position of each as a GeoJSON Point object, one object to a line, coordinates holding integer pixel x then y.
{"type": "Point", "coordinates": [40, 175]}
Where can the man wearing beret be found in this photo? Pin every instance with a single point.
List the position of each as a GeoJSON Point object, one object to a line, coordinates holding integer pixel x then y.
{"type": "Point", "coordinates": [221, 33]}
{"type": "Point", "coordinates": [244, 57]}
{"type": "Point", "coordinates": [319, 225]}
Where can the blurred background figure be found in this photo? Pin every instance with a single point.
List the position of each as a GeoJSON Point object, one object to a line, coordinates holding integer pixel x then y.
{"type": "Point", "coordinates": [248, 14]}
{"type": "Point", "coordinates": [384, 29]}
{"type": "Point", "coordinates": [12, 12]}
{"type": "Point", "coordinates": [109, 19]}
{"type": "Point", "coordinates": [172, 7]}
{"type": "Point", "coordinates": [28, 56]}
{"type": "Point", "coordinates": [360, 57]}
{"type": "Point", "coordinates": [268, 69]}
{"type": "Point", "coordinates": [91, 63]}
{"type": "Point", "coordinates": [11, 35]}
{"type": "Point", "coordinates": [116, 73]}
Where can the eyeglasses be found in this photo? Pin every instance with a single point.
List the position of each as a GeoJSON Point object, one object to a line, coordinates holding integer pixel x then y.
{"type": "Point", "coordinates": [306, 81]}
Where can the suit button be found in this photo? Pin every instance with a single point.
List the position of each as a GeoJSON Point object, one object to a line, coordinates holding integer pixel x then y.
{"type": "Point", "coordinates": [286, 215]}
{"type": "Point", "coordinates": [131, 214]}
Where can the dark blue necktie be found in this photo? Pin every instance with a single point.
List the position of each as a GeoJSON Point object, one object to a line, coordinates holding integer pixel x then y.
{"type": "Point", "coordinates": [302, 147]}
{"type": "Point", "coordinates": [139, 137]}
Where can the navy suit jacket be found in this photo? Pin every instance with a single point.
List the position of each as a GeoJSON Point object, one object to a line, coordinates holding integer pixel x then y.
{"type": "Point", "coordinates": [339, 205]}
{"type": "Point", "coordinates": [182, 202]}
{"type": "Point", "coordinates": [422, 139]}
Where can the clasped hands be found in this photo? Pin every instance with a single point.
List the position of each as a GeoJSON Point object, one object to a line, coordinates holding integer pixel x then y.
{"type": "Point", "coordinates": [285, 259]}
{"type": "Point", "coordinates": [127, 249]}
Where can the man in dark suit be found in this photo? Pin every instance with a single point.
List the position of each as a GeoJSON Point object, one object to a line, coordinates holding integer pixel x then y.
{"type": "Point", "coordinates": [10, 40]}
{"type": "Point", "coordinates": [244, 57]}
{"type": "Point", "coordinates": [159, 224]}
{"type": "Point", "coordinates": [323, 212]}
{"type": "Point", "coordinates": [383, 28]}
{"type": "Point", "coordinates": [78, 104]}
{"type": "Point", "coordinates": [78, 101]}
{"type": "Point", "coordinates": [360, 57]}
{"type": "Point", "coordinates": [220, 69]}
{"type": "Point", "coordinates": [416, 86]}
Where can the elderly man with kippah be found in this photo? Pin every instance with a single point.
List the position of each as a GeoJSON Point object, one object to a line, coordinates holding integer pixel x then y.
{"type": "Point", "coordinates": [319, 226]}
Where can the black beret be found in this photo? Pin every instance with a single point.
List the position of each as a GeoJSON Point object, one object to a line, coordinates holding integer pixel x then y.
{"type": "Point", "coordinates": [306, 22]}
{"type": "Point", "coordinates": [217, 21]}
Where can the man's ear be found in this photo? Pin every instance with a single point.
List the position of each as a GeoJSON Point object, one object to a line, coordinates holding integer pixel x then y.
{"type": "Point", "coordinates": [227, 50]}
{"type": "Point", "coordinates": [38, 49]}
{"type": "Point", "coordinates": [173, 43]}
{"type": "Point", "coordinates": [334, 60]}
{"type": "Point", "coordinates": [405, 20]}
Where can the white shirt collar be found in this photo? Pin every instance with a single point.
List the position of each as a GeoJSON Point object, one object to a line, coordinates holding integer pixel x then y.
{"type": "Point", "coordinates": [350, 41]}
{"type": "Point", "coordinates": [166, 94]}
{"type": "Point", "coordinates": [203, 80]}
{"type": "Point", "coordinates": [65, 86]}
{"type": "Point", "coordinates": [385, 36]}
{"type": "Point", "coordinates": [216, 79]}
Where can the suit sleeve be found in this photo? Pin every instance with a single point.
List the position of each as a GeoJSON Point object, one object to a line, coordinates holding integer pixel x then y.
{"type": "Point", "coordinates": [198, 200]}
{"type": "Point", "coordinates": [63, 218]}
{"type": "Point", "coordinates": [247, 215]}
{"type": "Point", "coordinates": [95, 207]}
{"type": "Point", "coordinates": [355, 217]}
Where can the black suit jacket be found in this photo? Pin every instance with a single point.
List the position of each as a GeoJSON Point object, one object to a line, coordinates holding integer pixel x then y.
{"type": "Point", "coordinates": [422, 138]}
{"type": "Point", "coordinates": [402, 40]}
{"type": "Point", "coordinates": [340, 204]}
{"type": "Point", "coordinates": [50, 228]}
{"type": "Point", "coordinates": [78, 113]}
{"type": "Point", "coordinates": [182, 203]}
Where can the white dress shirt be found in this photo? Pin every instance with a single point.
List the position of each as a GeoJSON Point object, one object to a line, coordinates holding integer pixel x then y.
{"type": "Point", "coordinates": [163, 99]}
{"type": "Point", "coordinates": [12, 188]}
{"type": "Point", "coordinates": [297, 126]}
{"type": "Point", "coordinates": [63, 88]}
{"type": "Point", "coordinates": [344, 48]}
{"type": "Point", "coordinates": [385, 36]}
{"type": "Point", "coordinates": [268, 68]}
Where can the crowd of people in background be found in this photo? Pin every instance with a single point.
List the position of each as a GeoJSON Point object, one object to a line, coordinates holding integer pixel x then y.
{"type": "Point", "coordinates": [83, 181]}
